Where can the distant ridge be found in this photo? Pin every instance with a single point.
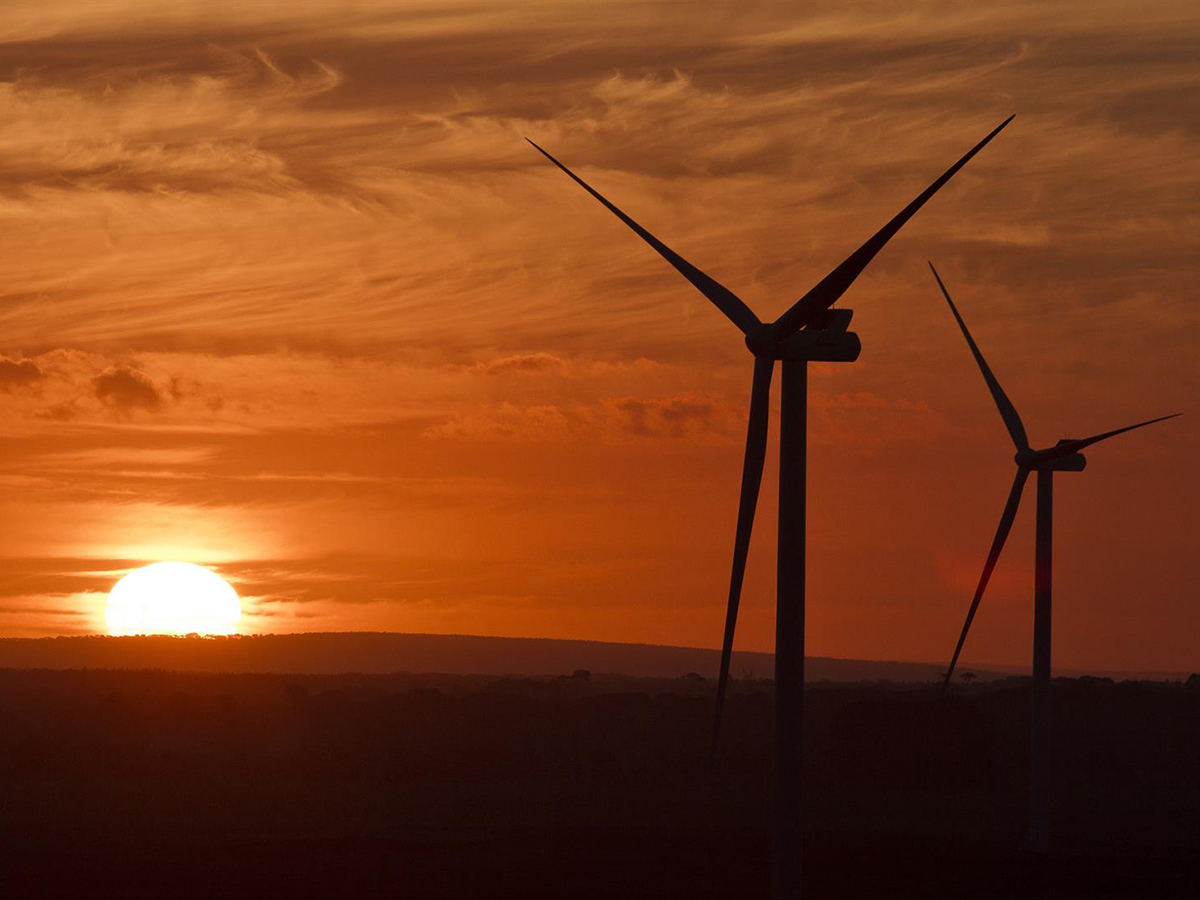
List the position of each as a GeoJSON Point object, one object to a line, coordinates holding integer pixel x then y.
{"type": "Point", "coordinates": [452, 654]}
{"type": "Point", "coordinates": [380, 652]}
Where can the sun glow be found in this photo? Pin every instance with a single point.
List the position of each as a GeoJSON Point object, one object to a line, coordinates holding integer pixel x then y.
{"type": "Point", "coordinates": [172, 598]}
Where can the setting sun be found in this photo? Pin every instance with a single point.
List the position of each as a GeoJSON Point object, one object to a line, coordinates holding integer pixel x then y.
{"type": "Point", "coordinates": [172, 598]}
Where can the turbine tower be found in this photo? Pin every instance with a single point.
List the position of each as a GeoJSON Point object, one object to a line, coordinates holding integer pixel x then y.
{"type": "Point", "coordinates": [1062, 457]}
{"type": "Point", "coordinates": [808, 331]}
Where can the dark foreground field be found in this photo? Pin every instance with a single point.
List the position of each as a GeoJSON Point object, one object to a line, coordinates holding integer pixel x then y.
{"type": "Point", "coordinates": [156, 784]}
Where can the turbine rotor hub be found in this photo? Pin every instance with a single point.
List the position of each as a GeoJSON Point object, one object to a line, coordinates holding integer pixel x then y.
{"type": "Point", "coordinates": [760, 342]}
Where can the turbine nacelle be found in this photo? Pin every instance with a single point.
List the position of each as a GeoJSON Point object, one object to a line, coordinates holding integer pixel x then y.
{"type": "Point", "coordinates": [1051, 460]}
{"type": "Point", "coordinates": [827, 342]}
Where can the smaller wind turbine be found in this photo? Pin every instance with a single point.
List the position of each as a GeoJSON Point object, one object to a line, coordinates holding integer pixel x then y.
{"type": "Point", "coordinates": [1062, 457]}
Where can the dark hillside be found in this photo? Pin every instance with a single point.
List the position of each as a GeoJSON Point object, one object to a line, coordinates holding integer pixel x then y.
{"type": "Point", "coordinates": [168, 784]}
{"type": "Point", "coordinates": [379, 652]}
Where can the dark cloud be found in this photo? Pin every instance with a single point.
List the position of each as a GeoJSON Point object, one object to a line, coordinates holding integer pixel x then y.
{"type": "Point", "coordinates": [59, 412]}
{"type": "Point", "coordinates": [671, 417]}
{"type": "Point", "coordinates": [59, 576]}
{"type": "Point", "coordinates": [508, 422]}
{"type": "Point", "coordinates": [18, 373]}
{"type": "Point", "coordinates": [127, 389]}
{"type": "Point", "coordinates": [612, 418]}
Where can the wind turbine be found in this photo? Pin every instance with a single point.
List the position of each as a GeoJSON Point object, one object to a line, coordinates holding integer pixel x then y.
{"type": "Point", "coordinates": [808, 331]}
{"type": "Point", "coordinates": [1062, 457]}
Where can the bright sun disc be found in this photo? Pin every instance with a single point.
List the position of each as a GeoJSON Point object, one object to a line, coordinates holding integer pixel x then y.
{"type": "Point", "coordinates": [172, 598]}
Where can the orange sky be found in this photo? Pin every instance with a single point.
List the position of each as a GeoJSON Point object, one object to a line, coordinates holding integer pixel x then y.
{"type": "Point", "coordinates": [286, 293]}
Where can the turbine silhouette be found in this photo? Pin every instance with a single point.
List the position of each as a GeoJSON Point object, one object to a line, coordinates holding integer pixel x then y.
{"type": "Point", "coordinates": [1062, 457]}
{"type": "Point", "coordinates": [808, 331]}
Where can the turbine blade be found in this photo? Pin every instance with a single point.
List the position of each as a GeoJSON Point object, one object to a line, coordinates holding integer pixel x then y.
{"type": "Point", "coordinates": [724, 299]}
{"type": "Point", "coordinates": [833, 285]}
{"type": "Point", "coordinates": [1075, 446]}
{"type": "Point", "coordinates": [752, 469]}
{"type": "Point", "coordinates": [1008, 412]}
{"type": "Point", "coordinates": [1006, 523]}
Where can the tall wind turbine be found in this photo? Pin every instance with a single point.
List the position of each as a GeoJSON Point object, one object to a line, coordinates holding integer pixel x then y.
{"type": "Point", "coordinates": [808, 331]}
{"type": "Point", "coordinates": [1062, 457]}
